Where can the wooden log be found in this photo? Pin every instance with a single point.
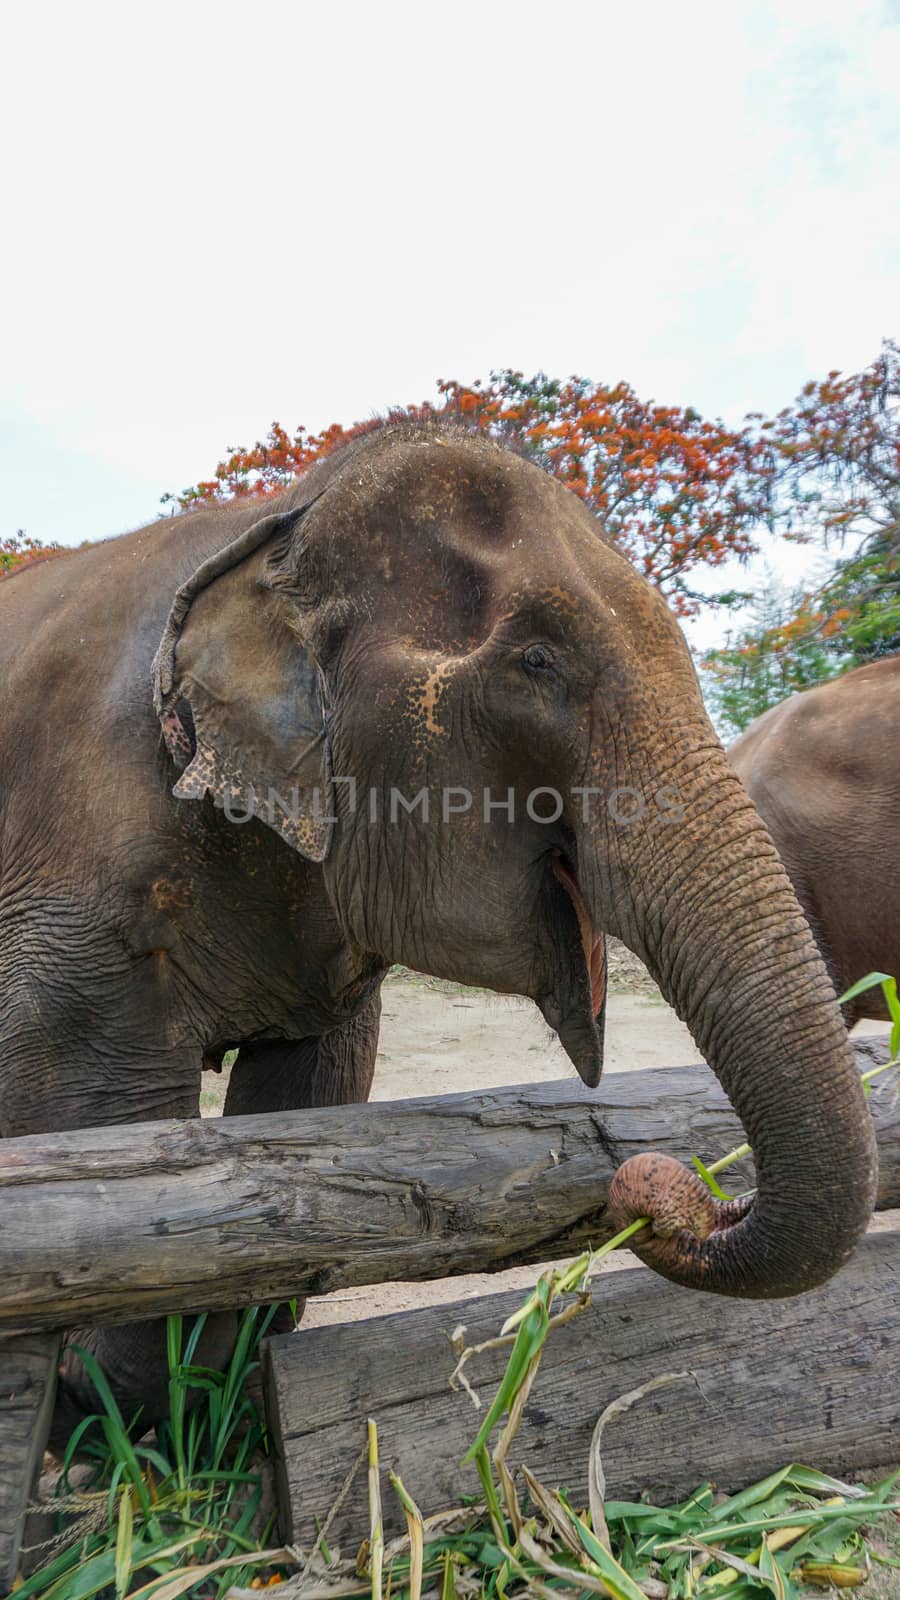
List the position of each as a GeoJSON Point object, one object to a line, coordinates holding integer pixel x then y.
{"type": "Point", "coordinates": [815, 1380]}
{"type": "Point", "coordinates": [111, 1224]}
{"type": "Point", "coordinates": [27, 1388]}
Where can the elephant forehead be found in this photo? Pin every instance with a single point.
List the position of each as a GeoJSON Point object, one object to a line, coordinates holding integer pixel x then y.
{"type": "Point", "coordinates": [441, 622]}
{"type": "Point", "coordinates": [445, 508]}
{"type": "Point", "coordinates": [427, 480]}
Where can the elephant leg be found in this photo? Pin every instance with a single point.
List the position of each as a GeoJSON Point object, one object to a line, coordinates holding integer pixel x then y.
{"type": "Point", "coordinates": [75, 1053]}
{"type": "Point", "coordinates": [334, 1069]}
{"type": "Point", "coordinates": [132, 1356]}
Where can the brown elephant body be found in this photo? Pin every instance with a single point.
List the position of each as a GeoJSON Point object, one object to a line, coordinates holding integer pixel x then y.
{"type": "Point", "coordinates": [823, 771]}
{"type": "Point", "coordinates": [215, 736]}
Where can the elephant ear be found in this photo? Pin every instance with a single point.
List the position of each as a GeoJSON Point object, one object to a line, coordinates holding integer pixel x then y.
{"type": "Point", "coordinates": [231, 649]}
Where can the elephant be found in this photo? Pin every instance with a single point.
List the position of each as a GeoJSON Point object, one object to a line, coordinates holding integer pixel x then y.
{"type": "Point", "coordinates": [823, 771]}
{"type": "Point", "coordinates": [413, 708]}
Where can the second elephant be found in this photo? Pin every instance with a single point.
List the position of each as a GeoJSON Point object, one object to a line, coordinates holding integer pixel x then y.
{"type": "Point", "coordinates": [823, 770]}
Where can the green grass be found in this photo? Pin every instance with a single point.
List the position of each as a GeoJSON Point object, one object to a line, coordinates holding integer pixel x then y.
{"type": "Point", "coordinates": [180, 1516]}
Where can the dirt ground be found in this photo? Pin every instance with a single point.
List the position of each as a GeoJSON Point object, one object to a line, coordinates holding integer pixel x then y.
{"type": "Point", "coordinates": [440, 1038]}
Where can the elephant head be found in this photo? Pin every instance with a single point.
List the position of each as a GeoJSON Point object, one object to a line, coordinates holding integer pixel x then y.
{"type": "Point", "coordinates": [432, 674]}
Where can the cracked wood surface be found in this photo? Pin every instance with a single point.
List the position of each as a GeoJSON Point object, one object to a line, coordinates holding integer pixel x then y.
{"type": "Point", "coordinates": [110, 1224]}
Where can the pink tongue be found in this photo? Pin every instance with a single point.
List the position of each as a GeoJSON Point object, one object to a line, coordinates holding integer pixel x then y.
{"type": "Point", "coordinates": [597, 969]}
{"type": "Point", "coordinates": [593, 945]}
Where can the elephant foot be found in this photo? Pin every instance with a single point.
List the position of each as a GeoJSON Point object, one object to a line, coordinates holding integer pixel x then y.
{"type": "Point", "coordinates": [67, 1416]}
{"type": "Point", "coordinates": [284, 1320]}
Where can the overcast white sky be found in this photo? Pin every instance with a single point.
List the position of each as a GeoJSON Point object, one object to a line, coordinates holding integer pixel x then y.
{"type": "Point", "coordinates": [215, 215]}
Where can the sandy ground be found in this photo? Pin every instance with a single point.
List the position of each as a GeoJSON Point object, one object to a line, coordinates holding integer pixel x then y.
{"type": "Point", "coordinates": [440, 1038]}
{"type": "Point", "coordinates": [437, 1038]}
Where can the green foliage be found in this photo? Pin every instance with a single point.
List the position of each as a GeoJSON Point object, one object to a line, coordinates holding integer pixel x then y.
{"type": "Point", "coordinates": [181, 1513]}
{"type": "Point", "coordinates": [888, 987]}
{"type": "Point", "coordinates": [762, 664]}
{"type": "Point", "coordinates": [863, 596]}
{"type": "Point", "coordinates": [793, 642]}
{"type": "Point", "coordinates": [834, 476]}
{"type": "Point", "coordinates": [18, 548]}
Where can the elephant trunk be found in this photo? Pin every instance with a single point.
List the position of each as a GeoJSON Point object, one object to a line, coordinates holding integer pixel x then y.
{"type": "Point", "coordinates": [707, 904]}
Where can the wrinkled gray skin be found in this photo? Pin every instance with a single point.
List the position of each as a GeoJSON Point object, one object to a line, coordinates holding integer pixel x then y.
{"type": "Point", "coordinates": [422, 609]}
{"type": "Point", "coordinates": [823, 770]}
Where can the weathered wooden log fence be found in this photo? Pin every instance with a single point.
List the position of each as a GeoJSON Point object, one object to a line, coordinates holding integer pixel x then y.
{"type": "Point", "coordinates": [113, 1224]}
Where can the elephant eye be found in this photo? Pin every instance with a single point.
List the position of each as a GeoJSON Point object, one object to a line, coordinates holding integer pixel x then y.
{"type": "Point", "coordinates": [537, 658]}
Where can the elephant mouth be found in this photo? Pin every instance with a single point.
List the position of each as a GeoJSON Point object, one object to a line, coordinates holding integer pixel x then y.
{"type": "Point", "coordinates": [575, 1008]}
{"type": "Point", "coordinates": [593, 943]}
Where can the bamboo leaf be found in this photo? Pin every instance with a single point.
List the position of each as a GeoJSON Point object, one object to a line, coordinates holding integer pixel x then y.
{"type": "Point", "coordinates": [872, 980]}
{"type": "Point", "coordinates": [178, 1583]}
{"type": "Point", "coordinates": [529, 1339]}
{"type": "Point", "coordinates": [376, 1521]}
{"type": "Point", "coordinates": [596, 1475]}
{"type": "Point", "coordinates": [618, 1581]}
{"type": "Point", "coordinates": [448, 1579]}
{"type": "Point", "coordinates": [719, 1532]}
{"type": "Point", "coordinates": [833, 1574]}
{"type": "Point", "coordinates": [114, 1425]}
{"type": "Point", "coordinates": [124, 1540]}
{"type": "Point", "coordinates": [711, 1182]}
{"type": "Point", "coordinates": [772, 1572]}
{"type": "Point", "coordinates": [752, 1495]}
{"type": "Point", "coordinates": [415, 1530]}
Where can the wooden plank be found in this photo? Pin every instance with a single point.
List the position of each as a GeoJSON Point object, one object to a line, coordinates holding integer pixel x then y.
{"type": "Point", "coordinates": [815, 1379]}
{"type": "Point", "coordinates": [27, 1388]}
{"type": "Point", "coordinates": [112, 1224]}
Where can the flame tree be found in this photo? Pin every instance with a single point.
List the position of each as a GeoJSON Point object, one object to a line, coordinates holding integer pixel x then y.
{"type": "Point", "coordinates": [679, 494]}
{"type": "Point", "coordinates": [834, 476]}
{"type": "Point", "coordinates": [673, 491]}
